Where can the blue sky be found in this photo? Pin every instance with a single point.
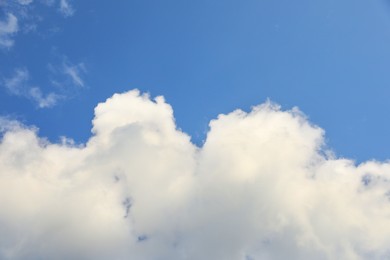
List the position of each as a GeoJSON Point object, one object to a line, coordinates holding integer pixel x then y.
{"type": "Point", "coordinates": [116, 173]}
{"type": "Point", "coordinates": [329, 58]}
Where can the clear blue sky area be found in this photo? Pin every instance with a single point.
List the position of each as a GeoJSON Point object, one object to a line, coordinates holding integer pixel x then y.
{"type": "Point", "coordinates": [329, 58]}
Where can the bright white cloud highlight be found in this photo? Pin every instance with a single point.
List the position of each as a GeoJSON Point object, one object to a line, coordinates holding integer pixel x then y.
{"type": "Point", "coordinates": [259, 188]}
{"type": "Point", "coordinates": [66, 8]}
{"type": "Point", "coordinates": [18, 85]}
{"type": "Point", "coordinates": [8, 28]}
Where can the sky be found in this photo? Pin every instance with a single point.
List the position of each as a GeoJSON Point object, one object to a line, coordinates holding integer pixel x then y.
{"type": "Point", "coordinates": [259, 126]}
{"type": "Point", "coordinates": [329, 58]}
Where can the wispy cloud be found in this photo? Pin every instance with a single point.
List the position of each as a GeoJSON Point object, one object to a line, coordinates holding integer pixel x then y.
{"type": "Point", "coordinates": [18, 85]}
{"type": "Point", "coordinates": [25, 2]}
{"type": "Point", "coordinates": [22, 16]}
{"type": "Point", "coordinates": [66, 8]}
{"type": "Point", "coordinates": [17, 82]}
{"type": "Point", "coordinates": [64, 79]}
{"type": "Point", "coordinates": [8, 28]}
{"type": "Point", "coordinates": [48, 2]}
{"type": "Point", "coordinates": [66, 74]}
{"type": "Point", "coordinates": [74, 72]}
{"type": "Point", "coordinates": [43, 101]}
{"type": "Point", "coordinates": [31, 27]}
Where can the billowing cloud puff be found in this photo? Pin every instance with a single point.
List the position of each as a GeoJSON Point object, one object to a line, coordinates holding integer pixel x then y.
{"type": "Point", "coordinates": [261, 187]}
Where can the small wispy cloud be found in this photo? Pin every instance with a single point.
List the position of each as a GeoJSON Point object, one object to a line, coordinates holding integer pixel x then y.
{"type": "Point", "coordinates": [65, 78]}
{"type": "Point", "coordinates": [66, 74]}
{"type": "Point", "coordinates": [43, 101]}
{"type": "Point", "coordinates": [74, 72]}
{"type": "Point", "coordinates": [8, 28]}
{"type": "Point", "coordinates": [22, 16]}
{"type": "Point", "coordinates": [27, 28]}
{"type": "Point", "coordinates": [66, 8]}
{"type": "Point", "coordinates": [48, 2]}
{"type": "Point", "coordinates": [18, 85]}
{"type": "Point", "coordinates": [25, 2]}
{"type": "Point", "coordinates": [17, 82]}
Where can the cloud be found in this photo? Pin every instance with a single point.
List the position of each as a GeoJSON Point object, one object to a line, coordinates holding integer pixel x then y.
{"type": "Point", "coordinates": [261, 187]}
{"type": "Point", "coordinates": [43, 101]}
{"type": "Point", "coordinates": [19, 85]}
{"type": "Point", "coordinates": [48, 2]}
{"type": "Point", "coordinates": [25, 2]}
{"type": "Point", "coordinates": [66, 8]}
{"type": "Point", "coordinates": [74, 73]}
{"type": "Point", "coordinates": [65, 74]}
{"type": "Point", "coordinates": [22, 15]}
{"type": "Point", "coordinates": [18, 82]}
{"type": "Point", "coordinates": [8, 28]}
{"type": "Point", "coordinates": [64, 77]}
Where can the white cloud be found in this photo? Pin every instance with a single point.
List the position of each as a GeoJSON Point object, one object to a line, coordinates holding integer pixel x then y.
{"type": "Point", "coordinates": [18, 85]}
{"type": "Point", "coordinates": [66, 74]}
{"type": "Point", "coordinates": [48, 2]}
{"type": "Point", "coordinates": [8, 124]}
{"type": "Point", "coordinates": [18, 82]}
{"type": "Point", "coordinates": [21, 15]}
{"type": "Point", "coordinates": [43, 101]}
{"type": "Point", "coordinates": [74, 73]}
{"type": "Point", "coordinates": [8, 28]}
{"type": "Point", "coordinates": [259, 188]}
{"type": "Point", "coordinates": [25, 2]}
{"type": "Point", "coordinates": [66, 8]}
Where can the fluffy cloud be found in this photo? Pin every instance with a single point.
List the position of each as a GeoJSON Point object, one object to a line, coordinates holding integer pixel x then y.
{"type": "Point", "coordinates": [261, 187]}
{"type": "Point", "coordinates": [8, 28]}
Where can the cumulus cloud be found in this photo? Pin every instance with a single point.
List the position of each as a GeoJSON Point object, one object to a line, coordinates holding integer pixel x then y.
{"type": "Point", "coordinates": [18, 85]}
{"type": "Point", "coordinates": [261, 187]}
{"type": "Point", "coordinates": [8, 28]}
{"type": "Point", "coordinates": [66, 8]}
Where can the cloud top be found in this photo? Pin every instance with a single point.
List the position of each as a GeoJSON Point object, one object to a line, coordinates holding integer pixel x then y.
{"type": "Point", "coordinates": [259, 188]}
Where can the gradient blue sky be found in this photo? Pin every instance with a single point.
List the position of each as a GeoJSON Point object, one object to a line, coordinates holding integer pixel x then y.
{"type": "Point", "coordinates": [329, 58]}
